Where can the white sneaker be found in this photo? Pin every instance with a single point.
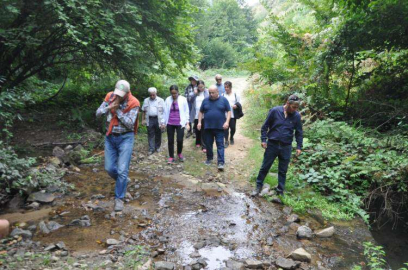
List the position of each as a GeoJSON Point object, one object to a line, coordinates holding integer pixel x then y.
{"type": "Point", "coordinates": [118, 205]}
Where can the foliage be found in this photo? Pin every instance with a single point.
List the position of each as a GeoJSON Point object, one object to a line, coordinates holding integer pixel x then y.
{"type": "Point", "coordinates": [224, 31]}
{"type": "Point", "coordinates": [17, 174]}
{"type": "Point", "coordinates": [349, 57]}
{"type": "Point", "coordinates": [135, 257]}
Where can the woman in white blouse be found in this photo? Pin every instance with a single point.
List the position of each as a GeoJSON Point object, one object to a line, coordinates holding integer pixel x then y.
{"type": "Point", "coordinates": [200, 94]}
{"type": "Point", "coordinates": [233, 99]}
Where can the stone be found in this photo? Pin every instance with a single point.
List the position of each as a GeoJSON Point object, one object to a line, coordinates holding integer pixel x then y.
{"type": "Point", "coordinates": [26, 234]}
{"type": "Point", "coordinates": [328, 232]}
{"type": "Point", "coordinates": [55, 161]}
{"type": "Point", "coordinates": [269, 241]}
{"type": "Point", "coordinates": [162, 265]}
{"type": "Point", "coordinates": [276, 200]}
{"type": "Point", "coordinates": [50, 247]}
{"type": "Point", "coordinates": [34, 205]}
{"type": "Point", "coordinates": [304, 232]}
{"type": "Point", "coordinates": [64, 253]}
{"type": "Point", "coordinates": [43, 227]}
{"type": "Point", "coordinates": [53, 226]}
{"type": "Point", "coordinates": [293, 218]}
{"type": "Point", "coordinates": [61, 245]}
{"type": "Point", "coordinates": [287, 210]}
{"type": "Point", "coordinates": [254, 264]}
{"type": "Point", "coordinates": [54, 259]}
{"type": "Point", "coordinates": [231, 264]}
{"type": "Point", "coordinates": [86, 217]}
{"type": "Point", "coordinates": [32, 228]}
{"type": "Point", "coordinates": [58, 152]}
{"type": "Point", "coordinates": [15, 203]}
{"type": "Point", "coordinates": [112, 241]}
{"type": "Point", "coordinates": [286, 263]}
{"type": "Point", "coordinates": [97, 197]}
{"type": "Point", "coordinates": [41, 197]}
{"type": "Point", "coordinates": [78, 148]}
{"type": "Point", "coordinates": [301, 255]}
{"type": "Point", "coordinates": [200, 245]}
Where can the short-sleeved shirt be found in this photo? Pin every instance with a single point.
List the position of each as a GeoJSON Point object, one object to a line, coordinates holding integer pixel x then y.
{"type": "Point", "coordinates": [232, 98]}
{"type": "Point", "coordinates": [198, 101]}
{"type": "Point", "coordinates": [214, 112]}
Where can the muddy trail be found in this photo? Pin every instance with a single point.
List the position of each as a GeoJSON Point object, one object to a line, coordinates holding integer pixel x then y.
{"type": "Point", "coordinates": [179, 216]}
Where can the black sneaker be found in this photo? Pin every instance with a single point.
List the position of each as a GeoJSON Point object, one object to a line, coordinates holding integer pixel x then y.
{"type": "Point", "coordinates": [226, 144]}
{"type": "Point", "coordinates": [278, 191]}
{"type": "Point", "coordinates": [232, 141]}
{"type": "Point", "coordinates": [208, 162]}
{"type": "Point", "coordinates": [221, 167]}
{"type": "Point", "coordinates": [256, 192]}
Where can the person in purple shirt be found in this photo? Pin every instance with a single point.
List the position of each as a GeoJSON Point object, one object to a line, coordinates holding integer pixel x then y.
{"type": "Point", "coordinates": [277, 136]}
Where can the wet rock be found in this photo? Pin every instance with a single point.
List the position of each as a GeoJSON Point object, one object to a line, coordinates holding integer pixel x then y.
{"type": "Point", "coordinates": [254, 264]}
{"type": "Point", "coordinates": [200, 245]}
{"type": "Point", "coordinates": [53, 226]}
{"type": "Point", "coordinates": [162, 265]}
{"type": "Point", "coordinates": [195, 255]}
{"type": "Point", "coordinates": [286, 263]}
{"type": "Point", "coordinates": [26, 234]}
{"type": "Point", "coordinates": [111, 242]}
{"type": "Point", "coordinates": [328, 232]}
{"type": "Point", "coordinates": [199, 264]}
{"type": "Point", "coordinates": [84, 221]}
{"type": "Point", "coordinates": [304, 232]}
{"type": "Point", "coordinates": [61, 245]}
{"type": "Point", "coordinates": [231, 264]}
{"type": "Point", "coordinates": [43, 227]}
{"type": "Point", "coordinates": [301, 255]}
{"type": "Point", "coordinates": [32, 228]}
{"type": "Point", "coordinates": [34, 205]}
{"type": "Point", "coordinates": [97, 197]}
{"type": "Point", "coordinates": [293, 218]}
{"type": "Point", "coordinates": [41, 197]}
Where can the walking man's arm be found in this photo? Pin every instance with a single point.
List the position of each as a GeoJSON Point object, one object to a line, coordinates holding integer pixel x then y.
{"type": "Point", "coordinates": [299, 136]}
{"type": "Point", "coordinates": [265, 128]}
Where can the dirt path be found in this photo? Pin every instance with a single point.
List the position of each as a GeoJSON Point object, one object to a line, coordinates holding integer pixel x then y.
{"type": "Point", "coordinates": [184, 215]}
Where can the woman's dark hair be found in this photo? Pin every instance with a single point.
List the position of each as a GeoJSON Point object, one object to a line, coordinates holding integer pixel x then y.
{"type": "Point", "coordinates": [200, 82]}
{"type": "Point", "coordinates": [228, 83]}
{"type": "Point", "coordinates": [174, 87]}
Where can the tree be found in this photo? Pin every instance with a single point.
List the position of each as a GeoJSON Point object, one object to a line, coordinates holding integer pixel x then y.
{"type": "Point", "coordinates": [133, 37]}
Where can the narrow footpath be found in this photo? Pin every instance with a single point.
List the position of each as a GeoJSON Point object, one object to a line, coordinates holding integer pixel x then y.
{"type": "Point", "coordinates": [179, 216]}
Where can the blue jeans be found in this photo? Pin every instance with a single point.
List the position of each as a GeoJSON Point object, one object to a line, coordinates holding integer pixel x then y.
{"type": "Point", "coordinates": [218, 134]}
{"type": "Point", "coordinates": [273, 150]}
{"type": "Point", "coordinates": [118, 152]}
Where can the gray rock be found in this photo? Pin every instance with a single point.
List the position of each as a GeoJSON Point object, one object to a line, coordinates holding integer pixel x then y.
{"type": "Point", "coordinates": [86, 217]}
{"type": "Point", "coordinates": [32, 228]}
{"type": "Point", "coordinates": [287, 210]}
{"type": "Point", "coordinates": [34, 205]}
{"type": "Point", "coordinates": [269, 241]}
{"type": "Point", "coordinates": [304, 232]}
{"type": "Point", "coordinates": [58, 152]}
{"type": "Point", "coordinates": [41, 197]}
{"type": "Point", "coordinates": [293, 218]}
{"type": "Point", "coordinates": [231, 264]}
{"type": "Point", "coordinates": [53, 226]}
{"type": "Point", "coordinates": [43, 227]}
{"type": "Point", "coordinates": [79, 147]}
{"type": "Point", "coordinates": [276, 200]}
{"type": "Point", "coordinates": [54, 259]}
{"type": "Point", "coordinates": [61, 245]}
{"type": "Point", "coordinates": [162, 265]}
{"type": "Point", "coordinates": [97, 197]}
{"type": "Point", "coordinates": [26, 234]}
{"type": "Point", "coordinates": [80, 223]}
{"type": "Point", "coordinates": [328, 232]}
{"type": "Point", "coordinates": [15, 203]}
{"type": "Point", "coordinates": [286, 263]}
{"type": "Point", "coordinates": [112, 241]}
{"type": "Point", "coordinates": [50, 247]}
{"type": "Point", "coordinates": [265, 191]}
{"type": "Point", "coordinates": [200, 245]}
{"type": "Point", "coordinates": [301, 255]}
{"type": "Point", "coordinates": [254, 264]}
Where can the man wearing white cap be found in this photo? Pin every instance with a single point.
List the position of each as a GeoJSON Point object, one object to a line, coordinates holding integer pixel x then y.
{"type": "Point", "coordinates": [121, 108]}
{"type": "Point", "coordinates": [153, 109]}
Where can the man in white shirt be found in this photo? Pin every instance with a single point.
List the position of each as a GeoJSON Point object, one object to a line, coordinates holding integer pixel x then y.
{"type": "Point", "coordinates": [153, 109]}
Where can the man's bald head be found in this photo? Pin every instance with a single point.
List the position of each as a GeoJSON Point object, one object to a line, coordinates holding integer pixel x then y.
{"type": "Point", "coordinates": [213, 91]}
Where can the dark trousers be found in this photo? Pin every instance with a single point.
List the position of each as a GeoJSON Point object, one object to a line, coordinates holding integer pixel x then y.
{"type": "Point", "coordinates": [218, 135]}
{"type": "Point", "coordinates": [273, 150]}
{"type": "Point", "coordinates": [199, 133]}
{"type": "Point", "coordinates": [170, 136]}
{"type": "Point", "coordinates": [232, 127]}
{"type": "Point", "coordinates": [154, 134]}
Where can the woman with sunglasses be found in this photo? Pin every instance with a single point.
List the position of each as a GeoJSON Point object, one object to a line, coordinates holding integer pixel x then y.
{"type": "Point", "coordinates": [176, 117]}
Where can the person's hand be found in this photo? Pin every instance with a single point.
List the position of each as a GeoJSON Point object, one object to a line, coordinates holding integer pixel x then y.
{"type": "Point", "coordinates": [234, 106]}
{"type": "Point", "coordinates": [298, 152]}
{"type": "Point", "coordinates": [188, 127]}
{"type": "Point", "coordinates": [114, 105]}
{"type": "Point", "coordinates": [162, 127]}
{"type": "Point", "coordinates": [226, 125]}
{"type": "Point", "coordinates": [199, 126]}
{"type": "Point", "coordinates": [195, 91]}
{"type": "Point", "coordinates": [264, 145]}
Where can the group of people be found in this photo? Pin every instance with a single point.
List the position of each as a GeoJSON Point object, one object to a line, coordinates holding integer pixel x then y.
{"type": "Point", "coordinates": [207, 114]}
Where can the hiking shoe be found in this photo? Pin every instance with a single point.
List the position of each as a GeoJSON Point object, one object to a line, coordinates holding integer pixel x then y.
{"type": "Point", "coordinates": [256, 192]}
{"type": "Point", "coordinates": [158, 150]}
{"type": "Point", "coordinates": [170, 161]}
{"type": "Point", "coordinates": [188, 135]}
{"type": "Point", "coordinates": [226, 144]}
{"type": "Point", "coordinates": [221, 167]}
{"type": "Point", "coordinates": [232, 142]}
{"type": "Point", "coordinates": [118, 205]}
{"type": "Point", "coordinates": [150, 153]}
{"type": "Point", "coordinates": [278, 191]}
{"type": "Point", "coordinates": [181, 158]}
{"type": "Point", "coordinates": [208, 162]}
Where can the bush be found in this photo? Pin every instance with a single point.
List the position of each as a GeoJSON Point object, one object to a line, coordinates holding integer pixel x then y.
{"type": "Point", "coordinates": [219, 54]}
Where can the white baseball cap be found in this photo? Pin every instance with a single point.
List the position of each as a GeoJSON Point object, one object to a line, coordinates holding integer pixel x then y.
{"type": "Point", "coordinates": [122, 87]}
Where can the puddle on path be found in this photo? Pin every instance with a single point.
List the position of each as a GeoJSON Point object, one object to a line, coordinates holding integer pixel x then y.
{"type": "Point", "coordinates": [215, 257]}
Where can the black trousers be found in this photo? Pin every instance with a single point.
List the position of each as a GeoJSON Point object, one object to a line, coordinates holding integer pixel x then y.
{"type": "Point", "coordinates": [199, 133]}
{"type": "Point", "coordinates": [232, 127]}
{"type": "Point", "coordinates": [154, 134]}
{"type": "Point", "coordinates": [170, 136]}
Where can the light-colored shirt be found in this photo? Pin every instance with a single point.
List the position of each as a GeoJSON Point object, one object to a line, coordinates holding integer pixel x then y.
{"type": "Point", "coordinates": [198, 101]}
{"type": "Point", "coordinates": [183, 109]}
{"type": "Point", "coordinates": [126, 120]}
{"type": "Point", "coordinates": [154, 107]}
{"type": "Point", "coordinates": [232, 99]}
{"type": "Point", "coordinates": [221, 89]}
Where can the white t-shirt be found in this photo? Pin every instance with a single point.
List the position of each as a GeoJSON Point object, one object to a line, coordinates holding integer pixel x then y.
{"type": "Point", "coordinates": [232, 99]}
{"type": "Point", "coordinates": [198, 101]}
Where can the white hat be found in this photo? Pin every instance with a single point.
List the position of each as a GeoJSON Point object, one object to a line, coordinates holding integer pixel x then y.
{"type": "Point", "coordinates": [122, 87]}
